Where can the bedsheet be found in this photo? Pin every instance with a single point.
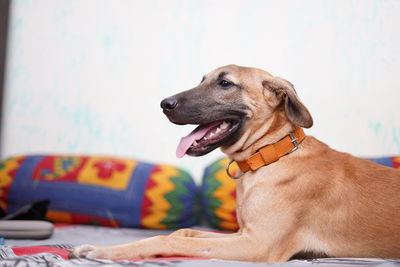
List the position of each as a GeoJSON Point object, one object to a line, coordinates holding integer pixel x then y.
{"type": "Point", "coordinates": [55, 251]}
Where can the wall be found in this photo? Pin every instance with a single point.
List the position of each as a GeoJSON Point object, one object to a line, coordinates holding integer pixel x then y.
{"type": "Point", "coordinates": [86, 77]}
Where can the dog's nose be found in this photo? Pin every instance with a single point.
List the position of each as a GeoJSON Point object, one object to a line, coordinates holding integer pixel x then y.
{"type": "Point", "coordinates": [169, 103]}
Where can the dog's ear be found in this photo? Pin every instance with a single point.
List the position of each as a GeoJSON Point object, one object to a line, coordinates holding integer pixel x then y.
{"type": "Point", "coordinates": [295, 110]}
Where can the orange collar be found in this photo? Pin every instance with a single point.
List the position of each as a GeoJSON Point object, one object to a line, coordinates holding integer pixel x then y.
{"type": "Point", "coordinates": [270, 153]}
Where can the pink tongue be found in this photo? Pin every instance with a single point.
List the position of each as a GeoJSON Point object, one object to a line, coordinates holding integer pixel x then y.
{"type": "Point", "coordinates": [197, 134]}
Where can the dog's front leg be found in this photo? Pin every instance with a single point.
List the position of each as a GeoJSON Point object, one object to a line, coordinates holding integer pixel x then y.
{"type": "Point", "coordinates": [187, 232]}
{"type": "Point", "coordinates": [232, 247]}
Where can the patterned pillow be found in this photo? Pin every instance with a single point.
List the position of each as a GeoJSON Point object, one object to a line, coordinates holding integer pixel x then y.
{"type": "Point", "coordinates": [218, 196]}
{"type": "Point", "coordinates": [218, 192]}
{"type": "Point", "coordinates": [393, 162]}
{"type": "Point", "coordinates": [100, 190]}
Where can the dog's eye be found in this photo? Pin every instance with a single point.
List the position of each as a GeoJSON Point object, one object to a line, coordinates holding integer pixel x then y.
{"type": "Point", "coordinates": [224, 83]}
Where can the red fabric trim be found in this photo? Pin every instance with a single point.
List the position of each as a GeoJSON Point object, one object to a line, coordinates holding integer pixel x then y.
{"type": "Point", "coordinates": [169, 259]}
{"type": "Point", "coordinates": [19, 251]}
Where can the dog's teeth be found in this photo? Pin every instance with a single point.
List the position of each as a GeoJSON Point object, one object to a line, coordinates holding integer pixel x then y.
{"type": "Point", "coordinates": [211, 135]}
{"type": "Point", "coordinates": [224, 125]}
{"type": "Point", "coordinates": [195, 143]}
{"type": "Point", "coordinates": [205, 138]}
{"type": "Point", "coordinates": [218, 130]}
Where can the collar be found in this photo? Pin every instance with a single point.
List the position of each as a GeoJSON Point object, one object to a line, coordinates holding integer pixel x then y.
{"type": "Point", "coordinates": [269, 153]}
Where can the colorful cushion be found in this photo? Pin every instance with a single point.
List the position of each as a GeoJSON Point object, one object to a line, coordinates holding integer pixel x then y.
{"type": "Point", "coordinates": [393, 162]}
{"type": "Point", "coordinates": [100, 190]}
{"type": "Point", "coordinates": [218, 192]}
{"type": "Point", "coordinates": [218, 196]}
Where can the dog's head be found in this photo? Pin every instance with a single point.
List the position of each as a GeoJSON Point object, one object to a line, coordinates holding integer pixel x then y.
{"type": "Point", "coordinates": [233, 105]}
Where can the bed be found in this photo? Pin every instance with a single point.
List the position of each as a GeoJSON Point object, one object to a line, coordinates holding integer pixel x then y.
{"type": "Point", "coordinates": [55, 251]}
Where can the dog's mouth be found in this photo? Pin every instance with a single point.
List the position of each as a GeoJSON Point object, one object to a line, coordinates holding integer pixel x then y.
{"type": "Point", "coordinates": [207, 137]}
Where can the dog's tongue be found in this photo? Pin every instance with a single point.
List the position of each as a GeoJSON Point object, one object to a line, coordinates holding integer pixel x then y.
{"type": "Point", "coordinates": [195, 135]}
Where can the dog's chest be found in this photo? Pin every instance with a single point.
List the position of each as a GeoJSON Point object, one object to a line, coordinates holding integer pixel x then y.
{"type": "Point", "coordinates": [261, 193]}
{"type": "Point", "coordinates": [253, 188]}
{"type": "Point", "coordinates": [267, 177]}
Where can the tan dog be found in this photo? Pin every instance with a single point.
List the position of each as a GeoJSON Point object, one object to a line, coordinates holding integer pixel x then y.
{"type": "Point", "coordinates": [314, 200]}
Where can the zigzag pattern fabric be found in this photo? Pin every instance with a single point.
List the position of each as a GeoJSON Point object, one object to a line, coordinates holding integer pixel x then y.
{"type": "Point", "coordinates": [219, 196]}
{"type": "Point", "coordinates": [100, 190]}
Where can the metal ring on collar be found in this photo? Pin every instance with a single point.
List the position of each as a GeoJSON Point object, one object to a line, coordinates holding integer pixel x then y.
{"type": "Point", "coordinates": [229, 173]}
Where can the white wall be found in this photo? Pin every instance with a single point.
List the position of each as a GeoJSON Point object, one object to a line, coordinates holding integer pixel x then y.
{"type": "Point", "coordinates": [87, 77]}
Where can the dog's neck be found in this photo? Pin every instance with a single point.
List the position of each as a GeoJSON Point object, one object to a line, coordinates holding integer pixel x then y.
{"type": "Point", "coordinates": [271, 131]}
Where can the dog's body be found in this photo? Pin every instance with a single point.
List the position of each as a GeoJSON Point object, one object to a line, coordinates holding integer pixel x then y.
{"type": "Point", "coordinates": [312, 200]}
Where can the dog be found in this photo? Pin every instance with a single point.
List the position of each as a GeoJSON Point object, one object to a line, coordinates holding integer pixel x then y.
{"type": "Point", "coordinates": [295, 195]}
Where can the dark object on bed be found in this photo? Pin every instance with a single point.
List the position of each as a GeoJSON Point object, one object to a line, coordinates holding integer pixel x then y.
{"type": "Point", "coordinates": [33, 211]}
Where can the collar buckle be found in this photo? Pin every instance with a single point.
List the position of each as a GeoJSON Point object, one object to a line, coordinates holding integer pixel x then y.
{"type": "Point", "coordinates": [229, 172]}
{"type": "Point", "coordinates": [295, 143]}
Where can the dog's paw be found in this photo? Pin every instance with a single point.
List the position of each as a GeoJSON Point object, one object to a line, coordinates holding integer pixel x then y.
{"type": "Point", "coordinates": [85, 251]}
